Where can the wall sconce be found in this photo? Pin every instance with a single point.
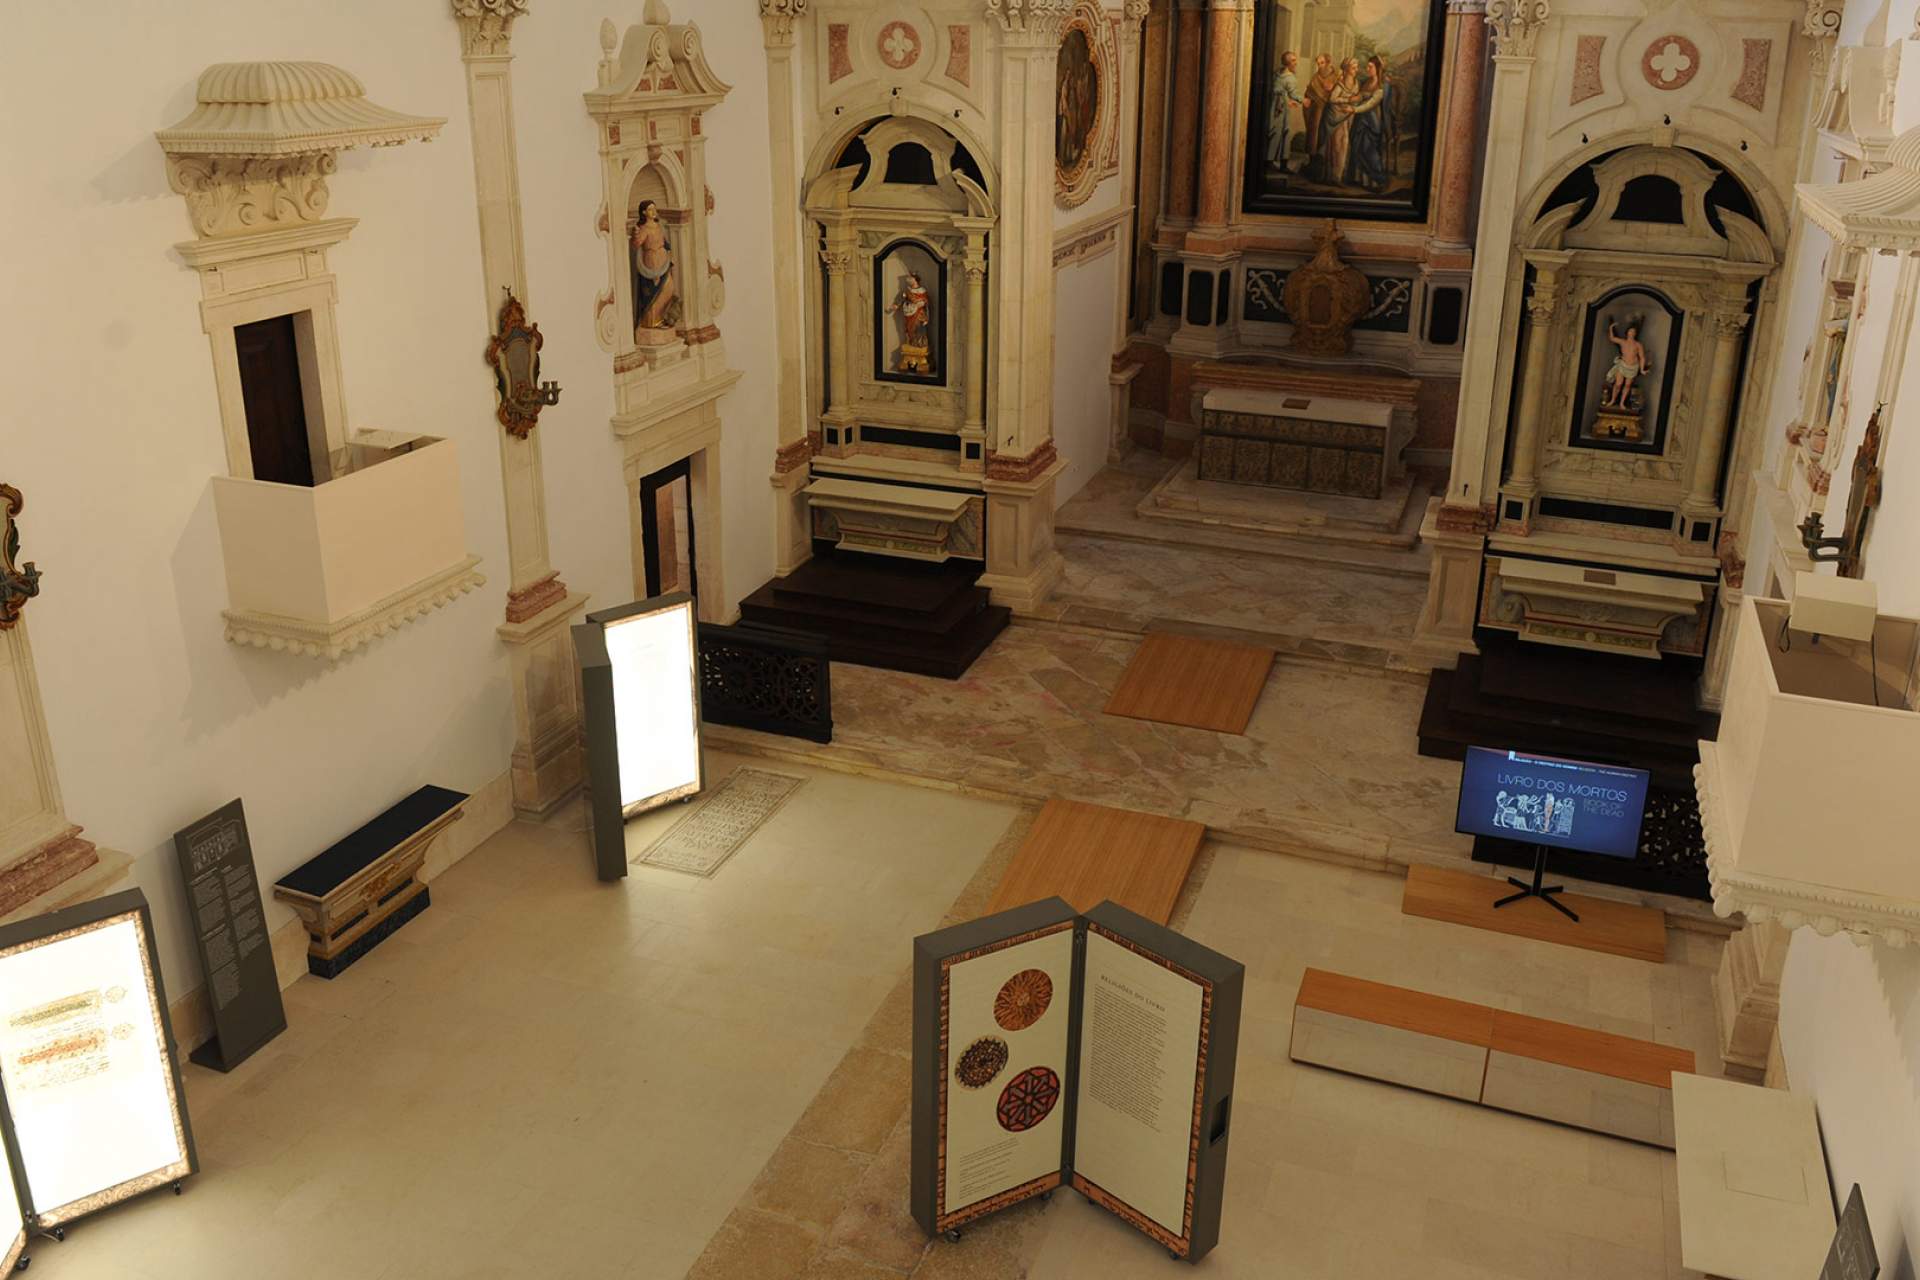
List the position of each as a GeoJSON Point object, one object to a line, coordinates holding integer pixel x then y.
{"type": "Point", "coordinates": [514, 353]}
{"type": "Point", "coordinates": [18, 583]}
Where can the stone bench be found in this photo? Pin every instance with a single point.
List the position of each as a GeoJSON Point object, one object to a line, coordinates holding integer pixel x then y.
{"type": "Point", "coordinates": [364, 886]}
{"type": "Point", "coordinates": [1535, 1067]}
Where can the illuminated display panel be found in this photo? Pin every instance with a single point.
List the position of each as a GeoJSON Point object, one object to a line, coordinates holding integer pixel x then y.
{"type": "Point", "coordinates": [656, 710]}
{"type": "Point", "coordinates": [92, 1091]}
{"type": "Point", "coordinates": [13, 1227]}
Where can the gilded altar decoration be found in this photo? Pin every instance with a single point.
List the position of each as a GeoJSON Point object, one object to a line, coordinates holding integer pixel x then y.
{"type": "Point", "coordinates": [1326, 298]}
{"type": "Point", "coordinates": [18, 583]}
{"type": "Point", "coordinates": [1623, 400]}
{"type": "Point", "coordinates": [910, 289]}
{"type": "Point", "coordinates": [514, 353]}
{"type": "Point", "coordinates": [1023, 999]}
{"type": "Point", "coordinates": [1343, 109]}
{"type": "Point", "coordinates": [1863, 496]}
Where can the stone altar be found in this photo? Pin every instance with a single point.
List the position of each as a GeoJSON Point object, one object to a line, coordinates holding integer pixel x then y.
{"type": "Point", "coordinates": [1318, 444]}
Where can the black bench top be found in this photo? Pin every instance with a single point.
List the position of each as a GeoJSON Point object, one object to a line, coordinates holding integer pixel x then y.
{"type": "Point", "coordinates": [347, 857]}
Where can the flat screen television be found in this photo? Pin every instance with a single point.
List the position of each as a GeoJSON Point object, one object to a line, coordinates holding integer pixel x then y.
{"type": "Point", "coordinates": [1544, 800]}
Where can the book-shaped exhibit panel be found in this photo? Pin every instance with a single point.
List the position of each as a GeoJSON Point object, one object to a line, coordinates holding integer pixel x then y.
{"type": "Point", "coordinates": [639, 674]}
{"type": "Point", "coordinates": [91, 1105]}
{"type": "Point", "coordinates": [1095, 1051]}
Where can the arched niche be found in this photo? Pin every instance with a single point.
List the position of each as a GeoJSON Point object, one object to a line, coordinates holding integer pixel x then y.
{"type": "Point", "coordinates": [1641, 272]}
{"type": "Point", "coordinates": [898, 342]}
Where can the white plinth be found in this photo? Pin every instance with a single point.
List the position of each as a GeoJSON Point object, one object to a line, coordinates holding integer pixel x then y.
{"type": "Point", "coordinates": [1754, 1201]}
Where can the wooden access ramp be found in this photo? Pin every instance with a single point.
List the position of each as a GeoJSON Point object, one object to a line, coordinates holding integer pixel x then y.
{"type": "Point", "coordinates": [1087, 853]}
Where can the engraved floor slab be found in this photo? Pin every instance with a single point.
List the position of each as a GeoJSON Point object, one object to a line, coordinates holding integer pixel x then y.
{"type": "Point", "coordinates": [721, 821]}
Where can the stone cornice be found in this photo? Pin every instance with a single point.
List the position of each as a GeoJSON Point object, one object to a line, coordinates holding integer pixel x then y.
{"type": "Point", "coordinates": [1516, 25]}
{"type": "Point", "coordinates": [486, 26]}
{"type": "Point", "coordinates": [1877, 212]}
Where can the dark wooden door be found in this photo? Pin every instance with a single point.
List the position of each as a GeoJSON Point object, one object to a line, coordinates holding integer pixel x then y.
{"type": "Point", "coordinates": [670, 567]}
{"type": "Point", "coordinates": [276, 408]}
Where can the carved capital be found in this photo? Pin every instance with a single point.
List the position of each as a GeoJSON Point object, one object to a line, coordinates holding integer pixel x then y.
{"type": "Point", "coordinates": [1729, 324]}
{"type": "Point", "coordinates": [779, 17]}
{"type": "Point", "coordinates": [1035, 23]}
{"type": "Point", "coordinates": [1822, 21]}
{"type": "Point", "coordinates": [1137, 11]}
{"type": "Point", "coordinates": [1471, 8]}
{"type": "Point", "coordinates": [486, 26]}
{"type": "Point", "coordinates": [1516, 24]}
{"type": "Point", "coordinates": [839, 261]}
{"type": "Point", "coordinates": [233, 195]}
{"type": "Point", "coordinates": [1540, 303]}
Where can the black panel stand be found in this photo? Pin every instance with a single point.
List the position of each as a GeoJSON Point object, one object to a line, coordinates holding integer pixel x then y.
{"type": "Point", "coordinates": [1535, 890]}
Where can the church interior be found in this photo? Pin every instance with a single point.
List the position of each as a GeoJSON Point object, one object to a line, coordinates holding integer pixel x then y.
{"type": "Point", "coordinates": [857, 639]}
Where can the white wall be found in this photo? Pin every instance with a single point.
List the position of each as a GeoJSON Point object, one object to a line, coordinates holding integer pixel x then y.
{"type": "Point", "coordinates": [155, 718]}
{"type": "Point", "coordinates": [1084, 296]}
{"type": "Point", "coordinates": [1845, 1011]}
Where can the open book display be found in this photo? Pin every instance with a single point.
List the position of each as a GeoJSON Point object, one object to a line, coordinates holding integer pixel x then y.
{"type": "Point", "coordinates": [91, 1107]}
{"type": "Point", "coordinates": [1095, 1051]}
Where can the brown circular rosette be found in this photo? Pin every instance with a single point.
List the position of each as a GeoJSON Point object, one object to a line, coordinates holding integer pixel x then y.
{"type": "Point", "coordinates": [1023, 999]}
{"type": "Point", "coordinates": [1028, 1099]}
{"type": "Point", "coordinates": [981, 1062]}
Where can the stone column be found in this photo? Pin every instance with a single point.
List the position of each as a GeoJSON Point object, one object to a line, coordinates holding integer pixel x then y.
{"type": "Point", "coordinates": [1022, 565]}
{"type": "Point", "coordinates": [547, 766]}
{"type": "Point", "coordinates": [1746, 998]}
{"type": "Point", "coordinates": [973, 431]}
{"type": "Point", "coordinates": [1522, 482]}
{"type": "Point", "coordinates": [1219, 105]}
{"type": "Point", "coordinates": [1460, 134]}
{"type": "Point", "coordinates": [793, 544]}
{"type": "Point", "coordinates": [838, 257]}
{"type": "Point", "coordinates": [1515, 26]}
{"type": "Point", "coordinates": [1184, 138]}
{"type": "Point", "coordinates": [1729, 327]}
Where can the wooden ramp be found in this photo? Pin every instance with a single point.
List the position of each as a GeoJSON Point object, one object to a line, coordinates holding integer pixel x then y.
{"type": "Point", "coordinates": [1458, 897]}
{"type": "Point", "coordinates": [1087, 852]}
{"type": "Point", "coordinates": [1204, 684]}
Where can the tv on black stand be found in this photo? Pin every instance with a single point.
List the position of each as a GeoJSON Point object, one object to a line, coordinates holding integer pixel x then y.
{"type": "Point", "coordinates": [1550, 803]}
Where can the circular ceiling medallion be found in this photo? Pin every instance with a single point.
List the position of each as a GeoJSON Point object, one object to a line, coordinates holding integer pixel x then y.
{"type": "Point", "coordinates": [1670, 62]}
{"type": "Point", "coordinates": [1022, 999]}
{"type": "Point", "coordinates": [899, 45]}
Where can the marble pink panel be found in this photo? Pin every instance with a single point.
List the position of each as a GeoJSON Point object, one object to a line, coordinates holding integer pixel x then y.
{"type": "Point", "coordinates": [1751, 88]}
{"type": "Point", "coordinates": [839, 57]}
{"type": "Point", "coordinates": [960, 55]}
{"type": "Point", "coordinates": [1586, 69]}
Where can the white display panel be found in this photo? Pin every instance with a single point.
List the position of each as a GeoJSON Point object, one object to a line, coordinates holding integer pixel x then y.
{"type": "Point", "coordinates": [85, 1067]}
{"type": "Point", "coordinates": [983, 1156]}
{"type": "Point", "coordinates": [1139, 1062]}
{"type": "Point", "coordinates": [655, 713]}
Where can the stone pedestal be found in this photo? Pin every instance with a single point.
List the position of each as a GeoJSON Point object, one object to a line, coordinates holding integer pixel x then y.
{"type": "Point", "coordinates": [1458, 539]}
{"type": "Point", "coordinates": [1022, 565]}
{"type": "Point", "coordinates": [1746, 999]}
{"type": "Point", "coordinates": [547, 764]}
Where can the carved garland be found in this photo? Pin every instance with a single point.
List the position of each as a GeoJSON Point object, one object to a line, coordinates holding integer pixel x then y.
{"type": "Point", "coordinates": [18, 583]}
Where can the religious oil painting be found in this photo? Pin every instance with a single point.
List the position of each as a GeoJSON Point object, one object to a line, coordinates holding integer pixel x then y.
{"type": "Point", "coordinates": [1078, 109]}
{"type": "Point", "coordinates": [910, 321]}
{"type": "Point", "coordinates": [1342, 113]}
{"type": "Point", "coordinates": [1626, 366]}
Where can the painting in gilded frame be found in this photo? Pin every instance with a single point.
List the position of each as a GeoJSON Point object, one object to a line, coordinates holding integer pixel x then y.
{"type": "Point", "coordinates": [1342, 115]}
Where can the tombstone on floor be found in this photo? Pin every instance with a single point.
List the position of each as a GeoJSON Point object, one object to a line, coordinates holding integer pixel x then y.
{"type": "Point", "coordinates": [1093, 1051]}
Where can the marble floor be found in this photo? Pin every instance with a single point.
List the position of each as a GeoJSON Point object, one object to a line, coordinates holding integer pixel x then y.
{"type": "Point", "coordinates": [1328, 1175]}
{"type": "Point", "coordinates": [546, 1077]}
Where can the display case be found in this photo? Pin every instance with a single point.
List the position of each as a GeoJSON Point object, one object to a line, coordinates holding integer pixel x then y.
{"type": "Point", "coordinates": [1093, 1051]}
{"type": "Point", "coordinates": [639, 674]}
{"type": "Point", "coordinates": [91, 1105]}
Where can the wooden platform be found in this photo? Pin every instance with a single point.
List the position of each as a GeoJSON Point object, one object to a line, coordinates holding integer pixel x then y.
{"type": "Point", "coordinates": [1204, 684]}
{"type": "Point", "coordinates": [1087, 852]}
{"type": "Point", "coordinates": [1459, 897]}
